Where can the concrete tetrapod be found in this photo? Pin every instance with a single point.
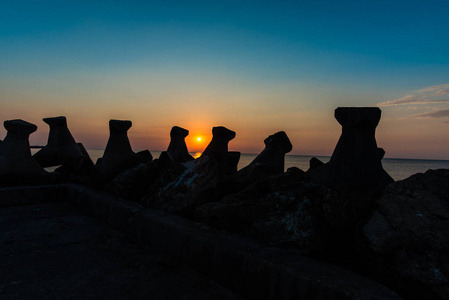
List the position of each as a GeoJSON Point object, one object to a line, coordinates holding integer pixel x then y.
{"type": "Point", "coordinates": [218, 149]}
{"type": "Point", "coordinates": [177, 149]}
{"type": "Point", "coordinates": [61, 148]}
{"type": "Point", "coordinates": [118, 155]}
{"type": "Point", "coordinates": [356, 160]}
{"type": "Point", "coordinates": [16, 164]}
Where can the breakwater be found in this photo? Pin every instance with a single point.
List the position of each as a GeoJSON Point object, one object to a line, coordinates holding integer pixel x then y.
{"type": "Point", "coordinates": [347, 211]}
{"type": "Point", "coordinates": [246, 266]}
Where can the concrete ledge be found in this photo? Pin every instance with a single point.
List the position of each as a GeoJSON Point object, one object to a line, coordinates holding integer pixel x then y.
{"type": "Point", "coordinates": [245, 266]}
{"type": "Point", "coordinates": [27, 195]}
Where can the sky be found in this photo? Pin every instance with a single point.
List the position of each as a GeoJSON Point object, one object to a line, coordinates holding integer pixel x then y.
{"type": "Point", "coordinates": [255, 67]}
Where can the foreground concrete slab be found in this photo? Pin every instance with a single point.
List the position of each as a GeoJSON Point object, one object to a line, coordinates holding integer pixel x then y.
{"type": "Point", "coordinates": [51, 251]}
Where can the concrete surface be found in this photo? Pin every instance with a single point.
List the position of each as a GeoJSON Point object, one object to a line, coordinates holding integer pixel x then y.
{"type": "Point", "coordinates": [51, 251]}
{"type": "Point", "coordinates": [243, 265]}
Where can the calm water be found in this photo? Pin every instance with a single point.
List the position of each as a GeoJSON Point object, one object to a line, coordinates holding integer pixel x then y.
{"type": "Point", "coordinates": [397, 168]}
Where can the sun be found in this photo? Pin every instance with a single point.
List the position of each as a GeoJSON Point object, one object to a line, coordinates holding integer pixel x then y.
{"type": "Point", "coordinates": [199, 139]}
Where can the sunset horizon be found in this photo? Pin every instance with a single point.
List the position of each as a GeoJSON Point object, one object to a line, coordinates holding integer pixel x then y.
{"type": "Point", "coordinates": [255, 68]}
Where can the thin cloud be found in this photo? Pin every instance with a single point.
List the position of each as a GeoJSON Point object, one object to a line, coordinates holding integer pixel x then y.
{"type": "Point", "coordinates": [442, 93]}
{"type": "Point", "coordinates": [434, 88]}
{"type": "Point", "coordinates": [436, 114]}
{"type": "Point", "coordinates": [428, 95]}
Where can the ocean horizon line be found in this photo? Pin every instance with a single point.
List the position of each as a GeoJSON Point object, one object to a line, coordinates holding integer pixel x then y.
{"type": "Point", "coordinates": [246, 153]}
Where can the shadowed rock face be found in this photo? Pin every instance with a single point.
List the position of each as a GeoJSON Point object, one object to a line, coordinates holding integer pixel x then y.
{"type": "Point", "coordinates": [61, 148]}
{"type": "Point", "coordinates": [218, 149]}
{"type": "Point", "coordinates": [409, 232]}
{"type": "Point", "coordinates": [118, 155]}
{"type": "Point", "coordinates": [15, 154]}
{"type": "Point", "coordinates": [278, 209]}
{"type": "Point", "coordinates": [196, 182]}
{"type": "Point", "coordinates": [193, 184]}
{"type": "Point", "coordinates": [356, 159]}
{"type": "Point", "coordinates": [177, 149]}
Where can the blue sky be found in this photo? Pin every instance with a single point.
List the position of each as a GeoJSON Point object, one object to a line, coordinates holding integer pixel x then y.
{"type": "Point", "coordinates": [256, 67]}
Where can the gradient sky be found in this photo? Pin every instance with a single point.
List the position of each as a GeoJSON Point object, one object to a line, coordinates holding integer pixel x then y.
{"type": "Point", "coordinates": [256, 67]}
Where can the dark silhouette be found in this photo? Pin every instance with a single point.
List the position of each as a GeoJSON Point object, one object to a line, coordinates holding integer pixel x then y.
{"type": "Point", "coordinates": [61, 148]}
{"type": "Point", "coordinates": [356, 159]}
{"type": "Point", "coordinates": [218, 150]}
{"type": "Point", "coordinates": [16, 164]}
{"type": "Point", "coordinates": [343, 212]}
{"type": "Point", "coordinates": [177, 149]}
{"type": "Point", "coordinates": [118, 155]}
{"type": "Point", "coordinates": [276, 146]}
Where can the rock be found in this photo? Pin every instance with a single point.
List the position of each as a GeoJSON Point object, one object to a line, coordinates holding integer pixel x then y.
{"type": "Point", "coordinates": [82, 170]}
{"type": "Point", "coordinates": [192, 185]}
{"type": "Point", "coordinates": [356, 160]}
{"type": "Point", "coordinates": [218, 150]}
{"type": "Point", "coordinates": [409, 232]}
{"type": "Point", "coordinates": [177, 149]}
{"type": "Point", "coordinates": [182, 188]}
{"type": "Point", "coordinates": [16, 164]}
{"type": "Point", "coordinates": [146, 155]}
{"type": "Point", "coordinates": [61, 148]}
{"type": "Point", "coordinates": [118, 155]}
{"type": "Point", "coordinates": [134, 183]}
{"type": "Point", "coordinates": [278, 209]}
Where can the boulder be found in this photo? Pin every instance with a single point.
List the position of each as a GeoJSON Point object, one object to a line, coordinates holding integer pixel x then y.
{"type": "Point", "coordinates": [61, 148]}
{"type": "Point", "coordinates": [409, 234]}
{"type": "Point", "coordinates": [218, 150]}
{"type": "Point", "coordinates": [177, 149]}
{"type": "Point", "coordinates": [186, 186]}
{"type": "Point", "coordinates": [118, 155]}
{"type": "Point", "coordinates": [356, 160]}
{"type": "Point", "coordinates": [135, 182]}
{"type": "Point", "coordinates": [146, 155]}
{"type": "Point", "coordinates": [279, 210]}
{"type": "Point", "coordinates": [17, 166]}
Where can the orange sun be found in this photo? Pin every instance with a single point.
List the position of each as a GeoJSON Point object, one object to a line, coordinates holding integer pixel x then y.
{"type": "Point", "coordinates": [198, 139]}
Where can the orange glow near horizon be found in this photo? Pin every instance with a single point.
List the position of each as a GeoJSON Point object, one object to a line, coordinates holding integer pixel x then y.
{"type": "Point", "coordinates": [197, 142]}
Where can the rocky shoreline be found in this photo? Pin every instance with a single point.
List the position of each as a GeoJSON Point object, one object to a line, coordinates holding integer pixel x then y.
{"type": "Point", "coordinates": [348, 212]}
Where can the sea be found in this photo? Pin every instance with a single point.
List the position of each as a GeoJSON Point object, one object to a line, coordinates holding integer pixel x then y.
{"type": "Point", "coordinates": [398, 168]}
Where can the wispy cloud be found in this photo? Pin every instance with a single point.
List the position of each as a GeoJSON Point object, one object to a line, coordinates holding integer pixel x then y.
{"type": "Point", "coordinates": [436, 114]}
{"type": "Point", "coordinates": [434, 88]}
{"type": "Point", "coordinates": [432, 94]}
{"type": "Point", "coordinates": [442, 92]}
